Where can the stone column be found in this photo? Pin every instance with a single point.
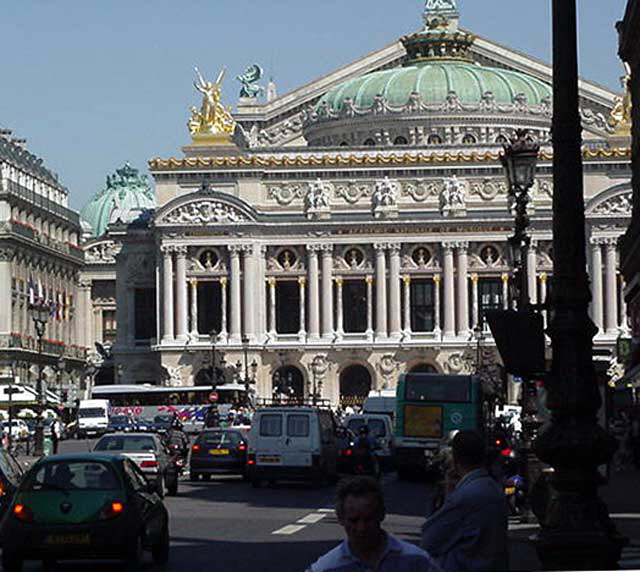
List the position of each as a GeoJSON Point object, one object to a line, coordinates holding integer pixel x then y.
{"type": "Point", "coordinates": [235, 333]}
{"type": "Point", "coordinates": [272, 307]}
{"type": "Point", "coordinates": [395, 313]}
{"type": "Point", "coordinates": [532, 279]}
{"type": "Point", "coordinates": [224, 304]}
{"type": "Point", "coordinates": [194, 307]}
{"type": "Point", "coordinates": [339, 308]}
{"type": "Point", "coordinates": [611, 287]}
{"type": "Point", "coordinates": [327, 291]}
{"type": "Point", "coordinates": [449, 294]}
{"type": "Point", "coordinates": [463, 289]}
{"type": "Point", "coordinates": [475, 309]}
{"type": "Point", "coordinates": [597, 313]}
{"type": "Point", "coordinates": [302, 331]}
{"type": "Point", "coordinates": [381, 291]}
{"type": "Point", "coordinates": [369, 281]}
{"type": "Point", "coordinates": [248, 291]}
{"type": "Point", "coordinates": [543, 294]}
{"type": "Point", "coordinates": [406, 280]}
{"type": "Point", "coordinates": [167, 281]}
{"type": "Point", "coordinates": [436, 303]}
{"type": "Point", "coordinates": [505, 291]}
{"type": "Point", "coordinates": [623, 306]}
{"type": "Point", "coordinates": [181, 292]}
{"type": "Point", "coordinates": [314, 293]}
{"type": "Point", "coordinates": [83, 310]}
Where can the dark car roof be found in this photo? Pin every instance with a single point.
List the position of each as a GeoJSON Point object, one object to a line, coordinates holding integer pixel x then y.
{"type": "Point", "coordinates": [88, 456]}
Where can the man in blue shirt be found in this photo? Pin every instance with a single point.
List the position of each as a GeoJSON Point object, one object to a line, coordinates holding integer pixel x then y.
{"type": "Point", "coordinates": [469, 532]}
{"type": "Point", "coordinates": [360, 510]}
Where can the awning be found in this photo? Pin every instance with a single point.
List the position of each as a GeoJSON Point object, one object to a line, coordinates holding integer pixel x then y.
{"type": "Point", "coordinates": [18, 393]}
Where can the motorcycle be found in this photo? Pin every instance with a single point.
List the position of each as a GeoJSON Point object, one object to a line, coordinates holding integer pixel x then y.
{"type": "Point", "coordinates": [515, 487]}
{"type": "Point", "coordinates": [365, 462]}
{"type": "Point", "coordinates": [179, 456]}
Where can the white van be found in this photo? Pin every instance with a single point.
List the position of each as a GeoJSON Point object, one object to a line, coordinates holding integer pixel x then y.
{"type": "Point", "coordinates": [380, 428]}
{"type": "Point", "coordinates": [93, 417]}
{"type": "Point", "coordinates": [292, 443]}
{"type": "Point", "coordinates": [381, 401]}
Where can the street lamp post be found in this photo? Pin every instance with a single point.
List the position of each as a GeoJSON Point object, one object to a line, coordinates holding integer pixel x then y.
{"type": "Point", "coordinates": [576, 530]}
{"type": "Point", "coordinates": [519, 161]}
{"type": "Point", "coordinates": [40, 316]}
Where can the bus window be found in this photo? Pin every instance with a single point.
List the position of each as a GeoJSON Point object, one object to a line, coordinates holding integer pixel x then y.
{"type": "Point", "coordinates": [455, 389]}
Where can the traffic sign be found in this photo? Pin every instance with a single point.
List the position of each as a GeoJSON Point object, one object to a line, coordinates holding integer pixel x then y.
{"type": "Point", "coordinates": [213, 396]}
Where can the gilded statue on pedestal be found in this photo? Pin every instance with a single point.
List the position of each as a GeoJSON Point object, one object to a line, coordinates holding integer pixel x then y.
{"type": "Point", "coordinates": [621, 112]}
{"type": "Point", "coordinates": [212, 118]}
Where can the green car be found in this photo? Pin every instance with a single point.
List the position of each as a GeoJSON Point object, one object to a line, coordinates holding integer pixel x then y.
{"type": "Point", "coordinates": [84, 506]}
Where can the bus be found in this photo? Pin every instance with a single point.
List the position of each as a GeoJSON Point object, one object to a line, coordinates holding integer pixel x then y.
{"type": "Point", "coordinates": [429, 407]}
{"type": "Point", "coordinates": [189, 404]}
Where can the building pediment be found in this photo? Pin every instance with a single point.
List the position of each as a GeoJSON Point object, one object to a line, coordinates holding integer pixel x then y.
{"type": "Point", "coordinates": [614, 202]}
{"type": "Point", "coordinates": [205, 208]}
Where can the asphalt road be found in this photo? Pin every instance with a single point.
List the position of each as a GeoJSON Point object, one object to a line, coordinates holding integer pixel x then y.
{"type": "Point", "coordinates": [227, 525]}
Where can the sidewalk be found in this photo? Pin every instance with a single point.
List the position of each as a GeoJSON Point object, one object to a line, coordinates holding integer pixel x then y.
{"type": "Point", "coordinates": [622, 499]}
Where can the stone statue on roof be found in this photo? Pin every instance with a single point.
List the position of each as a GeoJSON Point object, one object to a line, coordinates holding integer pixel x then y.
{"type": "Point", "coordinates": [248, 79]}
{"type": "Point", "coordinates": [440, 5]}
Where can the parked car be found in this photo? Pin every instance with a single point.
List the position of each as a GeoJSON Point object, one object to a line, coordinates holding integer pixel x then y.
{"type": "Point", "coordinates": [380, 428]}
{"type": "Point", "coordinates": [218, 451]}
{"type": "Point", "coordinates": [162, 423]}
{"type": "Point", "coordinates": [144, 424]}
{"type": "Point", "coordinates": [84, 506]}
{"type": "Point", "coordinates": [121, 423]}
{"type": "Point", "coordinates": [149, 453]}
{"type": "Point", "coordinates": [292, 442]}
{"type": "Point", "coordinates": [10, 476]}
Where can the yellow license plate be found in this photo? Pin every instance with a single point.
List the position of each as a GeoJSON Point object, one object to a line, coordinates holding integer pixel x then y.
{"type": "Point", "coordinates": [68, 539]}
{"type": "Point", "coordinates": [274, 459]}
{"type": "Point", "coordinates": [510, 490]}
{"type": "Point", "coordinates": [218, 451]}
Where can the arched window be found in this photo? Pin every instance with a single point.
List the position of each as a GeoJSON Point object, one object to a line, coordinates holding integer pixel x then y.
{"type": "Point", "coordinates": [355, 384]}
{"type": "Point", "coordinates": [468, 139]}
{"type": "Point", "coordinates": [400, 140]}
{"type": "Point", "coordinates": [434, 139]}
{"type": "Point", "coordinates": [501, 140]}
{"type": "Point", "coordinates": [370, 142]}
{"type": "Point", "coordinates": [344, 144]}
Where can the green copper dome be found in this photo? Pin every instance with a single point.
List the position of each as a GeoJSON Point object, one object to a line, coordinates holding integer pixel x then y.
{"type": "Point", "coordinates": [434, 81]}
{"type": "Point", "coordinates": [126, 196]}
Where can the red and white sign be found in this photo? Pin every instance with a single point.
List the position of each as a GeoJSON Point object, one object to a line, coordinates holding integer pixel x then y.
{"type": "Point", "coordinates": [213, 396]}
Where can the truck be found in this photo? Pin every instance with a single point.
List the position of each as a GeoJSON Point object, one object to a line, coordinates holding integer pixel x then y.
{"type": "Point", "coordinates": [93, 417]}
{"type": "Point", "coordinates": [381, 401]}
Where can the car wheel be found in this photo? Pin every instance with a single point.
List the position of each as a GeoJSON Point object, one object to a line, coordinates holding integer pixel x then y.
{"type": "Point", "coordinates": [11, 562]}
{"type": "Point", "coordinates": [160, 488]}
{"type": "Point", "coordinates": [172, 489]}
{"type": "Point", "coordinates": [160, 550]}
{"type": "Point", "coordinates": [134, 554]}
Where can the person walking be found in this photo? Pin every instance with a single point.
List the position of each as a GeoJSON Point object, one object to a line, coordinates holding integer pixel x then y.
{"type": "Point", "coordinates": [469, 532]}
{"type": "Point", "coordinates": [360, 510]}
{"type": "Point", "coordinates": [54, 437]}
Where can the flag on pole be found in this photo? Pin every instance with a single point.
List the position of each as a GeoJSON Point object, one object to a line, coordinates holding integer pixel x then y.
{"type": "Point", "coordinates": [32, 292]}
{"type": "Point", "coordinates": [51, 303]}
{"type": "Point", "coordinates": [40, 296]}
{"type": "Point", "coordinates": [59, 307]}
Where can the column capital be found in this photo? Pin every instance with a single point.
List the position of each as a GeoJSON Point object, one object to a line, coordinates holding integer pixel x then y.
{"type": "Point", "coordinates": [474, 278]}
{"type": "Point", "coordinates": [193, 281]}
{"type": "Point", "coordinates": [543, 277]}
{"type": "Point", "coordinates": [181, 251]}
{"type": "Point", "coordinates": [597, 240]}
{"type": "Point", "coordinates": [406, 279]}
{"type": "Point", "coordinates": [611, 242]}
{"type": "Point", "coordinates": [262, 249]}
{"type": "Point", "coordinates": [437, 279]}
{"type": "Point", "coordinates": [504, 277]}
{"type": "Point", "coordinates": [380, 247]}
{"type": "Point", "coordinates": [326, 249]}
{"type": "Point", "coordinates": [84, 283]}
{"type": "Point", "coordinates": [461, 245]}
{"type": "Point", "coordinates": [167, 249]}
{"type": "Point", "coordinates": [533, 244]}
{"type": "Point", "coordinates": [223, 281]}
{"type": "Point", "coordinates": [338, 280]}
{"type": "Point", "coordinates": [235, 249]}
{"type": "Point", "coordinates": [302, 280]}
{"type": "Point", "coordinates": [448, 246]}
{"type": "Point", "coordinates": [368, 279]}
{"type": "Point", "coordinates": [314, 248]}
{"type": "Point", "coordinates": [271, 281]}
{"type": "Point", "coordinates": [394, 247]}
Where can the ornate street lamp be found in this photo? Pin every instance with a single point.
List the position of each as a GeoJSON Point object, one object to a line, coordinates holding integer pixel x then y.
{"type": "Point", "coordinates": [40, 316]}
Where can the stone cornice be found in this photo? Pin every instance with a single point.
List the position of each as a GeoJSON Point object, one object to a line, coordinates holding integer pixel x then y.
{"type": "Point", "coordinates": [372, 160]}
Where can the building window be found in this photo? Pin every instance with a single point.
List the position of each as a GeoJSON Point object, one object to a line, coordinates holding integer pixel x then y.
{"type": "Point", "coordinates": [287, 307]}
{"type": "Point", "coordinates": [422, 307]}
{"type": "Point", "coordinates": [468, 139]}
{"type": "Point", "coordinates": [400, 140]}
{"type": "Point", "coordinates": [370, 142]}
{"type": "Point", "coordinates": [489, 296]}
{"type": "Point", "coordinates": [434, 139]}
{"type": "Point", "coordinates": [145, 313]}
{"type": "Point", "coordinates": [354, 306]}
{"type": "Point", "coordinates": [109, 326]}
{"type": "Point", "coordinates": [209, 307]}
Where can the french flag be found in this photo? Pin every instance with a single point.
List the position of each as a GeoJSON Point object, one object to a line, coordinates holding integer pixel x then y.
{"type": "Point", "coordinates": [32, 292]}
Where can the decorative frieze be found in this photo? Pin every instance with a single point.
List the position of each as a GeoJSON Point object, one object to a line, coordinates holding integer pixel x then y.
{"type": "Point", "coordinates": [204, 212]}
{"type": "Point", "coordinates": [102, 253]}
{"type": "Point", "coordinates": [618, 205]}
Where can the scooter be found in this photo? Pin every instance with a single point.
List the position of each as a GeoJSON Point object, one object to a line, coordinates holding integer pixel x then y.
{"type": "Point", "coordinates": [365, 462]}
{"type": "Point", "coordinates": [180, 457]}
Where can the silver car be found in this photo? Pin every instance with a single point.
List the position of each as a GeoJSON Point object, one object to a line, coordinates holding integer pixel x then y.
{"type": "Point", "coordinates": [149, 452]}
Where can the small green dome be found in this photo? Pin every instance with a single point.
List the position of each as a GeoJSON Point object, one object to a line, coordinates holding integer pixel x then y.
{"type": "Point", "coordinates": [126, 196]}
{"type": "Point", "coordinates": [434, 81]}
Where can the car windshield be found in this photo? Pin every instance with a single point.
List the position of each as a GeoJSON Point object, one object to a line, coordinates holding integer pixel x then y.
{"type": "Point", "coordinates": [91, 412]}
{"type": "Point", "coordinates": [72, 475]}
{"type": "Point", "coordinates": [218, 438]}
{"type": "Point", "coordinates": [128, 443]}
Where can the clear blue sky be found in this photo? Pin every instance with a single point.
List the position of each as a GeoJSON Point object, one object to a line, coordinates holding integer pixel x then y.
{"type": "Point", "coordinates": [92, 83]}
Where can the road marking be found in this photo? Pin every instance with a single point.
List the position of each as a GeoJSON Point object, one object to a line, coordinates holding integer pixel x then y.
{"type": "Point", "coordinates": [289, 529]}
{"type": "Point", "coordinates": [326, 510]}
{"type": "Point", "coordinates": [625, 515]}
{"type": "Point", "coordinates": [312, 518]}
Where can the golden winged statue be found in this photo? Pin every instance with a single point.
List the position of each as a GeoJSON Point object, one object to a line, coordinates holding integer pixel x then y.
{"type": "Point", "coordinates": [621, 112]}
{"type": "Point", "coordinates": [212, 118]}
